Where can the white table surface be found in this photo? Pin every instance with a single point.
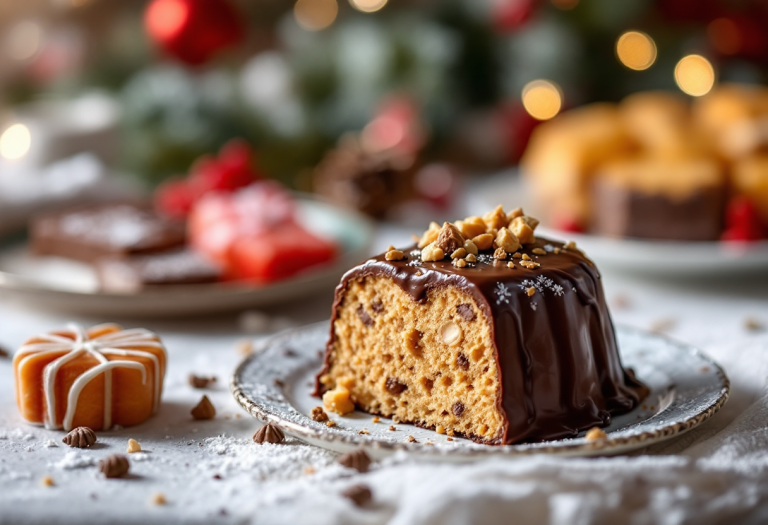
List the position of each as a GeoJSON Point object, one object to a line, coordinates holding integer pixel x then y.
{"type": "Point", "coordinates": [716, 472]}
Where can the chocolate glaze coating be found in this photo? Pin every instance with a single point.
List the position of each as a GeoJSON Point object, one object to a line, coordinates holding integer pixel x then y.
{"type": "Point", "coordinates": [560, 371]}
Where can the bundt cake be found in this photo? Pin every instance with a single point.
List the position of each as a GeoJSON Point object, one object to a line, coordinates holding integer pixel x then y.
{"type": "Point", "coordinates": [480, 330]}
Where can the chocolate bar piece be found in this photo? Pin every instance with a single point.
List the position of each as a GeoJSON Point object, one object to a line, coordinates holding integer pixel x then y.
{"type": "Point", "coordinates": [132, 274]}
{"type": "Point", "coordinates": [107, 230]}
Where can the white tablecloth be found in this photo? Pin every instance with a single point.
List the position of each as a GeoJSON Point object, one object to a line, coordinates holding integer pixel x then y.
{"type": "Point", "coordinates": [211, 471]}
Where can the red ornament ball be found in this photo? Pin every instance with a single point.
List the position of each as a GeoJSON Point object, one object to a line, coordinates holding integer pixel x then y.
{"type": "Point", "coordinates": [193, 31]}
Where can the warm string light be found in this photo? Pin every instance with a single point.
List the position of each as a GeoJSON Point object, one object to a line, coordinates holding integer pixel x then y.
{"type": "Point", "coordinates": [315, 15]}
{"type": "Point", "coordinates": [636, 50]}
{"type": "Point", "coordinates": [15, 142]}
{"type": "Point", "coordinates": [695, 75]}
{"type": "Point", "coordinates": [368, 6]}
{"type": "Point", "coordinates": [542, 99]}
{"type": "Point", "coordinates": [164, 18]}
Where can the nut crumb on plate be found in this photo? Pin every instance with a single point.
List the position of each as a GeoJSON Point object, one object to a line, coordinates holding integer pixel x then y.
{"type": "Point", "coordinates": [595, 433]}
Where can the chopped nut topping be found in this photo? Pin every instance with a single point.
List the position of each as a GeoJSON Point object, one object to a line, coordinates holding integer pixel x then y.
{"type": "Point", "coordinates": [269, 433]}
{"type": "Point", "coordinates": [470, 258]}
{"type": "Point", "coordinates": [484, 241]}
{"type": "Point", "coordinates": [470, 246]}
{"type": "Point", "coordinates": [529, 264]}
{"type": "Point", "coordinates": [196, 381]}
{"type": "Point", "coordinates": [471, 226]}
{"type": "Point", "coordinates": [412, 439]}
{"type": "Point", "coordinates": [114, 466]}
{"type": "Point", "coordinates": [80, 437]}
{"type": "Point", "coordinates": [432, 252]}
{"type": "Point", "coordinates": [364, 432]}
{"type": "Point", "coordinates": [459, 254]}
{"type": "Point", "coordinates": [392, 428]}
{"type": "Point", "coordinates": [390, 248]}
{"type": "Point", "coordinates": [449, 439]}
{"type": "Point", "coordinates": [514, 214]}
{"type": "Point", "coordinates": [309, 470]}
{"type": "Point", "coordinates": [460, 263]}
{"type": "Point", "coordinates": [539, 251]}
{"type": "Point", "coordinates": [530, 291]}
{"type": "Point", "coordinates": [557, 250]}
{"type": "Point", "coordinates": [375, 419]}
{"type": "Point", "coordinates": [595, 433]}
{"type": "Point", "coordinates": [507, 240]}
{"type": "Point", "coordinates": [440, 429]}
{"type": "Point", "coordinates": [338, 400]}
{"type": "Point", "coordinates": [204, 409]}
{"type": "Point", "coordinates": [394, 255]}
{"type": "Point", "coordinates": [47, 481]}
{"type": "Point", "coordinates": [330, 423]}
{"type": "Point", "coordinates": [517, 255]}
{"type": "Point", "coordinates": [430, 235]}
{"type": "Point", "coordinates": [526, 257]}
{"type": "Point", "coordinates": [523, 229]}
{"type": "Point", "coordinates": [359, 494]}
{"type": "Point", "coordinates": [570, 245]}
{"type": "Point", "coordinates": [319, 415]}
{"type": "Point", "coordinates": [159, 499]}
{"type": "Point", "coordinates": [500, 254]}
{"type": "Point", "coordinates": [511, 264]}
{"type": "Point", "coordinates": [133, 446]}
{"type": "Point", "coordinates": [495, 219]}
{"type": "Point", "coordinates": [450, 238]}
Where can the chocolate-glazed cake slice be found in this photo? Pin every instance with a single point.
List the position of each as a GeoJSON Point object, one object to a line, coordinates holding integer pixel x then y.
{"type": "Point", "coordinates": [514, 344]}
{"type": "Point", "coordinates": [116, 230]}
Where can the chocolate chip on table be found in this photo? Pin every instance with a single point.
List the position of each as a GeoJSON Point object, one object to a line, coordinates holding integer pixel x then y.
{"type": "Point", "coordinates": [80, 437]}
{"type": "Point", "coordinates": [394, 386]}
{"type": "Point", "coordinates": [201, 381]}
{"type": "Point", "coordinates": [269, 433]}
{"type": "Point", "coordinates": [114, 466]}
{"type": "Point", "coordinates": [359, 494]}
{"type": "Point", "coordinates": [458, 408]}
{"type": "Point", "coordinates": [357, 459]}
{"type": "Point", "coordinates": [204, 409]}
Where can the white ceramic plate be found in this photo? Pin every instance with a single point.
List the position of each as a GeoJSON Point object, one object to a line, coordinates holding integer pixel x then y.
{"type": "Point", "coordinates": [275, 384]}
{"type": "Point", "coordinates": [670, 258]}
{"type": "Point", "coordinates": [72, 287]}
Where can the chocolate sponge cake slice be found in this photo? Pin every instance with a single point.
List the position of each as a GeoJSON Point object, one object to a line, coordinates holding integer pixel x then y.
{"type": "Point", "coordinates": [505, 344]}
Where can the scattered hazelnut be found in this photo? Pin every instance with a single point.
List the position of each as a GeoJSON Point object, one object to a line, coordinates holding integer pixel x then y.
{"type": "Point", "coordinates": [529, 264]}
{"type": "Point", "coordinates": [394, 255]}
{"type": "Point", "coordinates": [459, 254]}
{"type": "Point", "coordinates": [517, 255]}
{"type": "Point", "coordinates": [375, 419]}
{"type": "Point", "coordinates": [338, 401]}
{"type": "Point", "coordinates": [245, 347]}
{"type": "Point", "coordinates": [330, 423]}
{"type": "Point", "coordinates": [431, 253]}
{"type": "Point", "coordinates": [459, 263]}
{"type": "Point", "coordinates": [500, 254]}
{"type": "Point", "coordinates": [470, 246]}
{"type": "Point", "coordinates": [158, 499]}
{"type": "Point", "coordinates": [470, 258]}
{"type": "Point", "coordinates": [133, 446]}
{"type": "Point", "coordinates": [595, 433]}
{"type": "Point", "coordinates": [412, 439]}
{"type": "Point", "coordinates": [430, 235]}
{"type": "Point", "coordinates": [526, 257]}
{"type": "Point", "coordinates": [570, 245]}
{"type": "Point", "coordinates": [484, 241]}
{"type": "Point", "coordinates": [392, 428]}
{"type": "Point", "coordinates": [319, 415]}
{"type": "Point", "coordinates": [511, 264]}
{"type": "Point", "coordinates": [204, 409]}
{"type": "Point", "coordinates": [440, 429]}
{"type": "Point", "coordinates": [450, 238]}
{"type": "Point", "coordinates": [507, 240]}
{"type": "Point", "coordinates": [364, 432]}
{"type": "Point", "coordinates": [309, 470]}
{"type": "Point", "coordinates": [450, 333]}
{"type": "Point", "coordinates": [47, 481]}
{"type": "Point", "coordinates": [196, 381]}
{"type": "Point", "coordinates": [539, 251]}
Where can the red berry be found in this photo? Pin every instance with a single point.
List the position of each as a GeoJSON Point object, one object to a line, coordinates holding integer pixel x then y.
{"type": "Point", "coordinates": [174, 198]}
{"type": "Point", "coordinates": [742, 221]}
{"type": "Point", "coordinates": [569, 224]}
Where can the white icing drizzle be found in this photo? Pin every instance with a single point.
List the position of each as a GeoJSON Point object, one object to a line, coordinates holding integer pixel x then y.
{"type": "Point", "coordinates": [116, 343]}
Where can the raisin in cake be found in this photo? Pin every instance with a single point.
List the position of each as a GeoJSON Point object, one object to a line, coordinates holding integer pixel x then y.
{"type": "Point", "coordinates": [480, 330]}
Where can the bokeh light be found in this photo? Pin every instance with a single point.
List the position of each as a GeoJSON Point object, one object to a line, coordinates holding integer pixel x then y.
{"type": "Point", "coordinates": [565, 5]}
{"type": "Point", "coordinates": [15, 142]}
{"type": "Point", "coordinates": [695, 75]}
{"type": "Point", "coordinates": [725, 36]}
{"type": "Point", "coordinates": [382, 133]}
{"type": "Point", "coordinates": [315, 15]}
{"type": "Point", "coordinates": [542, 99]}
{"type": "Point", "coordinates": [636, 50]}
{"type": "Point", "coordinates": [368, 6]}
{"type": "Point", "coordinates": [164, 18]}
{"type": "Point", "coordinates": [24, 40]}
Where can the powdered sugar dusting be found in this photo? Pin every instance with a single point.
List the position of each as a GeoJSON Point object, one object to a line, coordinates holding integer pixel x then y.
{"type": "Point", "coordinates": [74, 460]}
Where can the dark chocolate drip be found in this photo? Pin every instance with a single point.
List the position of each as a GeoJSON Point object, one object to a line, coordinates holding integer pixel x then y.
{"type": "Point", "coordinates": [559, 366]}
